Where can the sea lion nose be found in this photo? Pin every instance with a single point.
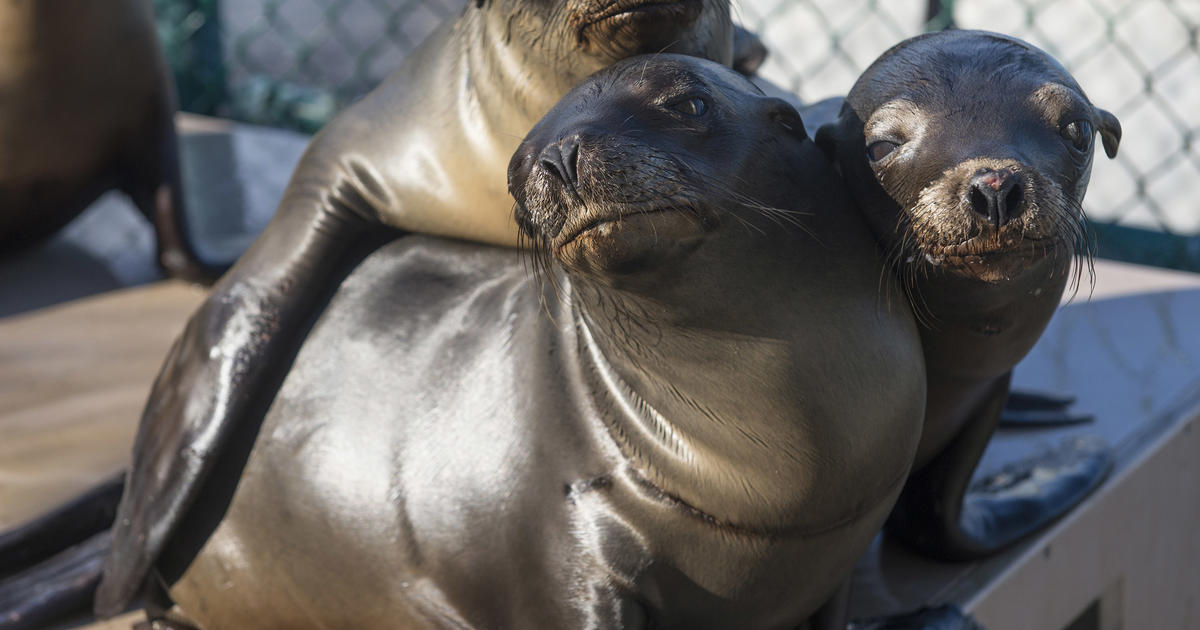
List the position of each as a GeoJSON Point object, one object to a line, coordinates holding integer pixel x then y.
{"type": "Point", "coordinates": [996, 195]}
{"type": "Point", "coordinates": [560, 159]}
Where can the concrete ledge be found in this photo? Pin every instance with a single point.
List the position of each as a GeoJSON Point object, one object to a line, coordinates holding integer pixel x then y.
{"type": "Point", "coordinates": [1126, 557]}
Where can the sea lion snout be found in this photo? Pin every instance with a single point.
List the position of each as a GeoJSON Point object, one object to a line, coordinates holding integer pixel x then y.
{"type": "Point", "coordinates": [990, 219]}
{"type": "Point", "coordinates": [605, 202]}
{"type": "Point", "coordinates": [996, 195]}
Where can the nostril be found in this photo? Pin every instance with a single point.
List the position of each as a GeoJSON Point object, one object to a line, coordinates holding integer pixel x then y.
{"type": "Point", "coordinates": [979, 201]}
{"type": "Point", "coordinates": [570, 158]}
{"type": "Point", "coordinates": [1012, 200]}
{"type": "Point", "coordinates": [551, 161]}
{"type": "Point", "coordinates": [560, 159]}
{"type": "Point", "coordinates": [520, 167]}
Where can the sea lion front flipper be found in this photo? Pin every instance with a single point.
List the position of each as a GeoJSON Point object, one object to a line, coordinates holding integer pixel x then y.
{"type": "Point", "coordinates": [944, 516]}
{"type": "Point", "coordinates": [1040, 409]}
{"type": "Point", "coordinates": [222, 373]}
{"type": "Point", "coordinates": [749, 52]}
{"type": "Point", "coordinates": [944, 617]}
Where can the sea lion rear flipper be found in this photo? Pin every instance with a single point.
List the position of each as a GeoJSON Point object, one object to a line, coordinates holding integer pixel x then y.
{"type": "Point", "coordinates": [221, 374]}
{"type": "Point", "coordinates": [1040, 409]}
{"type": "Point", "coordinates": [55, 588]}
{"type": "Point", "coordinates": [942, 514]}
{"type": "Point", "coordinates": [67, 525]}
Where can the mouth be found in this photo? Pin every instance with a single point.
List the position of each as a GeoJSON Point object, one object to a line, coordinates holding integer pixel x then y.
{"type": "Point", "coordinates": [988, 258]}
{"type": "Point", "coordinates": [608, 225]}
{"type": "Point", "coordinates": [622, 12]}
{"type": "Point", "coordinates": [981, 249]}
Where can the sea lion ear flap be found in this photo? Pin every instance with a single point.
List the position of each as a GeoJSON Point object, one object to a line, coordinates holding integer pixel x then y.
{"type": "Point", "coordinates": [749, 52]}
{"type": "Point", "coordinates": [832, 133]}
{"type": "Point", "coordinates": [827, 138]}
{"type": "Point", "coordinates": [1110, 131]}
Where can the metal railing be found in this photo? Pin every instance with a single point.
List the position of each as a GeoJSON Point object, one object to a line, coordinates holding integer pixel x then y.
{"type": "Point", "coordinates": [295, 63]}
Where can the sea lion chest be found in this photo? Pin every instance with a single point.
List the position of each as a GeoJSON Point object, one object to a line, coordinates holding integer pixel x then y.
{"type": "Point", "coordinates": [439, 454]}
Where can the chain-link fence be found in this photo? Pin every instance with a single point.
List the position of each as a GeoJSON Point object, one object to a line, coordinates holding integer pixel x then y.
{"type": "Point", "coordinates": [295, 63]}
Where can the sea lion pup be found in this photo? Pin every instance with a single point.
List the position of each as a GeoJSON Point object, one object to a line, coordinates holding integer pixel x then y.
{"type": "Point", "coordinates": [427, 151]}
{"type": "Point", "coordinates": [664, 427]}
{"type": "Point", "coordinates": [88, 106]}
{"type": "Point", "coordinates": [969, 153]}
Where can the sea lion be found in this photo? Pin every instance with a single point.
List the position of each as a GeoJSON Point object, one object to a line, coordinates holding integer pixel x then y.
{"type": "Point", "coordinates": [968, 153]}
{"type": "Point", "coordinates": [461, 442]}
{"type": "Point", "coordinates": [88, 106]}
{"type": "Point", "coordinates": [427, 150]}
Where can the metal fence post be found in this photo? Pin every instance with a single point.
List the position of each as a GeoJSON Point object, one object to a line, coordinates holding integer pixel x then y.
{"type": "Point", "coordinates": [191, 35]}
{"type": "Point", "coordinates": [939, 15]}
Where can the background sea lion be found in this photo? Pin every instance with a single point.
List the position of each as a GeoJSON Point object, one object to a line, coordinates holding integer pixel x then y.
{"type": "Point", "coordinates": [427, 148]}
{"type": "Point", "coordinates": [969, 153]}
{"type": "Point", "coordinates": [462, 443]}
{"type": "Point", "coordinates": [88, 106]}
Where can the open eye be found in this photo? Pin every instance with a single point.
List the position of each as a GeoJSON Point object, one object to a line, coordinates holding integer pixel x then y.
{"type": "Point", "coordinates": [878, 150]}
{"type": "Point", "coordinates": [1079, 133]}
{"type": "Point", "coordinates": [694, 106]}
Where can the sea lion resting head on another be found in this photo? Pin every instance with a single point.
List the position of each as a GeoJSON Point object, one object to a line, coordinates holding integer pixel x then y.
{"type": "Point", "coordinates": [666, 431]}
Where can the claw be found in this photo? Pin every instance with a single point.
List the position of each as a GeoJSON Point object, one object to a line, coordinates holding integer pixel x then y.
{"type": "Point", "coordinates": [1040, 409]}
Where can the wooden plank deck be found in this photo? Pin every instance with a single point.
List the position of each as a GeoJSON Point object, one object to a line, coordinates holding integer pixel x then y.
{"type": "Point", "coordinates": [73, 380]}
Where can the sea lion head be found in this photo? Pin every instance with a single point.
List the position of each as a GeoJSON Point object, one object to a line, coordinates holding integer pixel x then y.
{"type": "Point", "coordinates": [969, 153]}
{"type": "Point", "coordinates": [644, 162]}
{"type": "Point", "coordinates": [579, 37]}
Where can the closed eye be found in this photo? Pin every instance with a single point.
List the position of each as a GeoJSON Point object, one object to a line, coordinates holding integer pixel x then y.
{"type": "Point", "coordinates": [878, 150]}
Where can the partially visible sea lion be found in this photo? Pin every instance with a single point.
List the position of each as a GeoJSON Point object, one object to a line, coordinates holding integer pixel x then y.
{"type": "Point", "coordinates": [427, 150]}
{"type": "Point", "coordinates": [605, 444]}
{"type": "Point", "coordinates": [969, 153]}
{"type": "Point", "coordinates": [86, 106]}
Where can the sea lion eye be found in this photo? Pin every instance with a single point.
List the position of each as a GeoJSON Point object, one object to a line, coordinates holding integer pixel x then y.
{"type": "Point", "coordinates": [878, 150]}
{"type": "Point", "coordinates": [1079, 133]}
{"type": "Point", "coordinates": [694, 106]}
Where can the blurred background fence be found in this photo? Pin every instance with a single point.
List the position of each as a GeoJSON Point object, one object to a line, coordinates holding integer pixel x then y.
{"type": "Point", "coordinates": [295, 63]}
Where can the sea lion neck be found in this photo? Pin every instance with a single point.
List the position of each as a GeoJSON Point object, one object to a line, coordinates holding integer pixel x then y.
{"type": "Point", "coordinates": [1000, 321]}
{"type": "Point", "coordinates": [672, 376]}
